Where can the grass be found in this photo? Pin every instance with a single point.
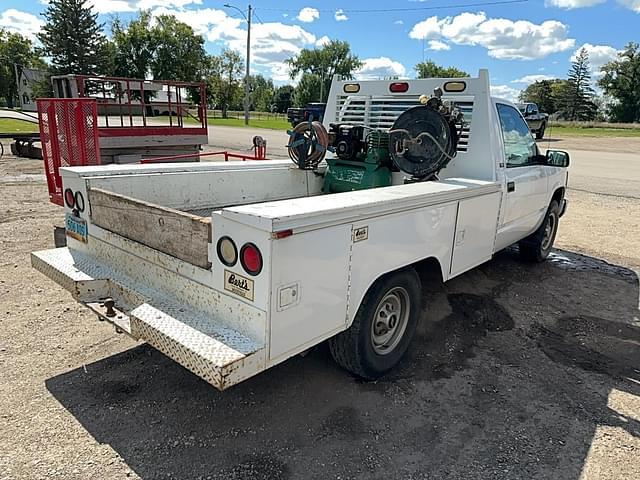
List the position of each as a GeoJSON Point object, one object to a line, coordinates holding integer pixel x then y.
{"type": "Point", "coordinates": [591, 131]}
{"type": "Point", "coordinates": [274, 124]}
{"type": "Point", "coordinates": [10, 125]}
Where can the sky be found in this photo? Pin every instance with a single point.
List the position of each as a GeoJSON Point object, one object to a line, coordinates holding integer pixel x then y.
{"type": "Point", "coordinates": [519, 41]}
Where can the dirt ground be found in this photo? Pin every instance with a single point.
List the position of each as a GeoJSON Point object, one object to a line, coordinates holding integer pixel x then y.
{"type": "Point", "coordinates": [519, 371]}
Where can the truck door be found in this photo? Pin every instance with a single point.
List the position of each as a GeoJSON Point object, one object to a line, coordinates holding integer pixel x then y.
{"type": "Point", "coordinates": [526, 179]}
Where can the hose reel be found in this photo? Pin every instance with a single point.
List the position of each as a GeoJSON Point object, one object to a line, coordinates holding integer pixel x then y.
{"type": "Point", "coordinates": [424, 139]}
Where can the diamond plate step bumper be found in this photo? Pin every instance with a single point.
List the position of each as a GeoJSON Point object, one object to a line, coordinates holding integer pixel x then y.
{"type": "Point", "coordinates": [217, 354]}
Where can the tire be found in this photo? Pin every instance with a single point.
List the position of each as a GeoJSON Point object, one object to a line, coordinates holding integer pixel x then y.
{"type": "Point", "coordinates": [371, 348]}
{"type": "Point", "coordinates": [536, 247]}
{"type": "Point", "coordinates": [540, 131]}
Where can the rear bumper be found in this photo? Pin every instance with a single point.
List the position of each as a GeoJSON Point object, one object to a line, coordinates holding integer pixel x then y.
{"type": "Point", "coordinates": [216, 353]}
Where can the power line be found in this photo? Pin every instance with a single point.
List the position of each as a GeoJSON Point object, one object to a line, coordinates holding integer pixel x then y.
{"type": "Point", "coordinates": [405, 9]}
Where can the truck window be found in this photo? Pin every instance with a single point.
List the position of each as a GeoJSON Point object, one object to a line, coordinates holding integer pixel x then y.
{"type": "Point", "coordinates": [519, 146]}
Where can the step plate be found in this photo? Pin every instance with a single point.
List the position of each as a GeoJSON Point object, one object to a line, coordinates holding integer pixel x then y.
{"type": "Point", "coordinates": [218, 354]}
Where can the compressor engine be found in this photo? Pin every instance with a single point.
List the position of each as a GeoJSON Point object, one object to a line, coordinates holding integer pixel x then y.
{"type": "Point", "coordinates": [421, 142]}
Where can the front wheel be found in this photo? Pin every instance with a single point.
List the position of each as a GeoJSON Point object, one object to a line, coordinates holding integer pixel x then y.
{"type": "Point", "coordinates": [537, 246]}
{"type": "Point", "coordinates": [382, 328]}
{"type": "Point", "coordinates": [540, 131]}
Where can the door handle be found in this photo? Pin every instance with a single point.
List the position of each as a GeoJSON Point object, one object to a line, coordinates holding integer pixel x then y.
{"type": "Point", "coordinates": [511, 186]}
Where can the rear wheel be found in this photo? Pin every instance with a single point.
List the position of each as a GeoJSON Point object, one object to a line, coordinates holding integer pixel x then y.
{"type": "Point", "coordinates": [536, 247]}
{"type": "Point", "coordinates": [382, 328]}
{"type": "Point", "coordinates": [540, 131]}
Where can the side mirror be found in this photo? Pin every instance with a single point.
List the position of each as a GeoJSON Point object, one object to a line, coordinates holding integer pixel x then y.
{"type": "Point", "coordinates": [557, 158]}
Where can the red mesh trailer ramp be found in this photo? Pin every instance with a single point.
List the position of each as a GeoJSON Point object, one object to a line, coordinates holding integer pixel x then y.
{"type": "Point", "coordinates": [69, 137]}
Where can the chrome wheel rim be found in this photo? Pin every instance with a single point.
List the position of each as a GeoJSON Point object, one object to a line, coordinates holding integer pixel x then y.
{"type": "Point", "coordinates": [390, 321]}
{"type": "Point", "coordinates": [549, 231]}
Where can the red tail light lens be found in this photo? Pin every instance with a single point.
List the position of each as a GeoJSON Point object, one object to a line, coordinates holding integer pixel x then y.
{"type": "Point", "coordinates": [69, 198]}
{"type": "Point", "coordinates": [399, 87]}
{"type": "Point", "coordinates": [251, 259]}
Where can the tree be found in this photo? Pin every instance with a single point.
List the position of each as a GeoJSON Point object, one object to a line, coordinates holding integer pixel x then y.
{"type": "Point", "coordinates": [179, 52]}
{"type": "Point", "coordinates": [166, 49]}
{"type": "Point", "coordinates": [262, 92]}
{"type": "Point", "coordinates": [333, 58]}
{"type": "Point", "coordinates": [576, 97]}
{"type": "Point", "coordinates": [544, 93]}
{"type": "Point", "coordinates": [430, 69]}
{"type": "Point", "coordinates": [308, 90]}
{"type": "Point", "coordinates": [72, 37]}
{"type": "Point", "coordinates": [283, 98]}
{"type": "Point", "coordinates": [16, 53]}
{"type": "Point", "coordinates": [224, 79]}
{"type": "Point", "coordinates": [621, 81]}
{"type": "Point", "coordinates": [134, 46]}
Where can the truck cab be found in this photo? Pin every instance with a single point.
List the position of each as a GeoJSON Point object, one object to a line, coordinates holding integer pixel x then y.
{"type": "Point", "coordinates": [232, 268]}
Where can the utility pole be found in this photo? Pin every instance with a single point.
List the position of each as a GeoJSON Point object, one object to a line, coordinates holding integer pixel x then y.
{"type": "Point", "coordinates": [247, 72]}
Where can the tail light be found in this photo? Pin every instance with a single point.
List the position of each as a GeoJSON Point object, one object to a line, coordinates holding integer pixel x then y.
{"type": "Point", "coordinates": [399, 87]}
{"type": "Point", "coordinates": [227, 251]}
{"type": "Point", "coordinates": [251, 259]}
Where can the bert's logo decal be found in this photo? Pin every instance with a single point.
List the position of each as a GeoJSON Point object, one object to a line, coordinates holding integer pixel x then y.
{"type": "Point", "coordinates": [238, 284]}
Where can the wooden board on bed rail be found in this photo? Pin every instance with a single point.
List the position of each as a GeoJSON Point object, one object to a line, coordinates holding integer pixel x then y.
{"type": "Point", "coordinates": [179, 234]}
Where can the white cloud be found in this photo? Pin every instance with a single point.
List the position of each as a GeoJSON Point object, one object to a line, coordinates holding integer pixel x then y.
{"type": "Point", "coordinates": [380, 67]}
{"type": "Point", "coordinates": [598, 56]}
{"type": "Point", "coordinates": [398, 22]}
{"type": "Point", "coordinates": [21, 22]}
{"type": "Point", "coordinates": [506, 92]}
{"type": "Point", "coordinates": [529, 79]}
{"type": "Point", "coordinates": [147, 4]}
{"type": "Point", "coordinates": [116, 6]}
{"type": "Point", "coordinates": [271, 43]}
{"type": "Point", "coordinates": [632, 4]}
{"type": "Point", "coordinates": [340, 16]}
{"type": "Point", "coordinates": [308, 14]}
{"type": "Point", "coordinates": [438, 45]}
{"type": "Point", "coordinates": [570, 4]}
{"type": "Point", "coordinates": [322, 41]}
{"type": "Point", "coordinates": [504, 39]}
{"type": "Point", "coordinates": [112, 6]}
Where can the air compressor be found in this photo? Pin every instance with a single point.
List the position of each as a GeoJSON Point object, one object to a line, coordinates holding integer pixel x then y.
{"type": "Point", "coordinates": [421, 142]}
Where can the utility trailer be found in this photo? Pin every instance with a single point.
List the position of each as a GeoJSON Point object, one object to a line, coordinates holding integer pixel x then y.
{"type": "Point", "coordinates": [231, 268]}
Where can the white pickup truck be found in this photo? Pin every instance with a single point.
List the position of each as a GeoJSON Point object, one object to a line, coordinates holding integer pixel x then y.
{"type": "Point", "coordinates": [231, 268]}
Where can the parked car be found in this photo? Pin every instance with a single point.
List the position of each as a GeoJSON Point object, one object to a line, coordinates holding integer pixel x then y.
{"type": "Point", "coordinates": [313, 111]}
{"type": "Point", "coordinates": [537, 121]}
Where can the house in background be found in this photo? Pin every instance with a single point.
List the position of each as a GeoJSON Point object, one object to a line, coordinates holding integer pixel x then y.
{"type": "Point", "coordinates": [27, 78]}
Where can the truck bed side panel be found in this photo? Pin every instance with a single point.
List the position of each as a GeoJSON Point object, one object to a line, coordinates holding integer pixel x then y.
{"type": "Point", "coordinates": [309, 289]}
{"type": "Point", "coordinates": [393, 241]}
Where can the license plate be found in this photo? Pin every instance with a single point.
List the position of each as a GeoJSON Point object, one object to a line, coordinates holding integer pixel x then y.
{"type": "Point", "coordinates": [76, 227]}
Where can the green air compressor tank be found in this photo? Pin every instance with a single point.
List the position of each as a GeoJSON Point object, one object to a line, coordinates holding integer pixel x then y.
{"type": "Point", "coordinates": [370, 170]}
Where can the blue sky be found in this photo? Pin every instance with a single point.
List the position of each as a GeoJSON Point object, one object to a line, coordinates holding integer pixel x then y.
{"type": "Point", "coordinates": [518, 42]}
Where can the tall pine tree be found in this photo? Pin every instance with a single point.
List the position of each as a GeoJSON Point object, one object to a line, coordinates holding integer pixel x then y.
{"type": "Point", "coordinates": [577, 94]}
{"type": "Point", "coordinates": [73, 38]}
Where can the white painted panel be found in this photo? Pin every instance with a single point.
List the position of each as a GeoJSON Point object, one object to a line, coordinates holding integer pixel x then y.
{"type": "Point", "coordinates": [209, 189]}
{"type": "Point", "coordinates": [475, 232]}
{"type": "Point", "coordinates": [316, 265]}
{"type": "Point", "coordinates": [394, 241]}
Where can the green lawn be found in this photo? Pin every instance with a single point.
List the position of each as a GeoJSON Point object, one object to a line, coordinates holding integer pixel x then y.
{"type": "Point", "coordinates": [10, 125]}
{"type": "Point", "coordinates": [274, 124]}
{"type": "Point", "coordinates": [563, 131]}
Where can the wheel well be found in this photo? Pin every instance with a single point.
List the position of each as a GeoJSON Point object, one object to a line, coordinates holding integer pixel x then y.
{"type": "Point", "coordinates": [558, 195]}
{"type": "Point", "coordinates": [428, 269]}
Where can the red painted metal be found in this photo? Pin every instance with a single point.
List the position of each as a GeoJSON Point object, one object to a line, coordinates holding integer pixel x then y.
{"type": "Point", "coordinates": [69, 137]}
{"type": "Point", "coordinates": [227, 156]}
